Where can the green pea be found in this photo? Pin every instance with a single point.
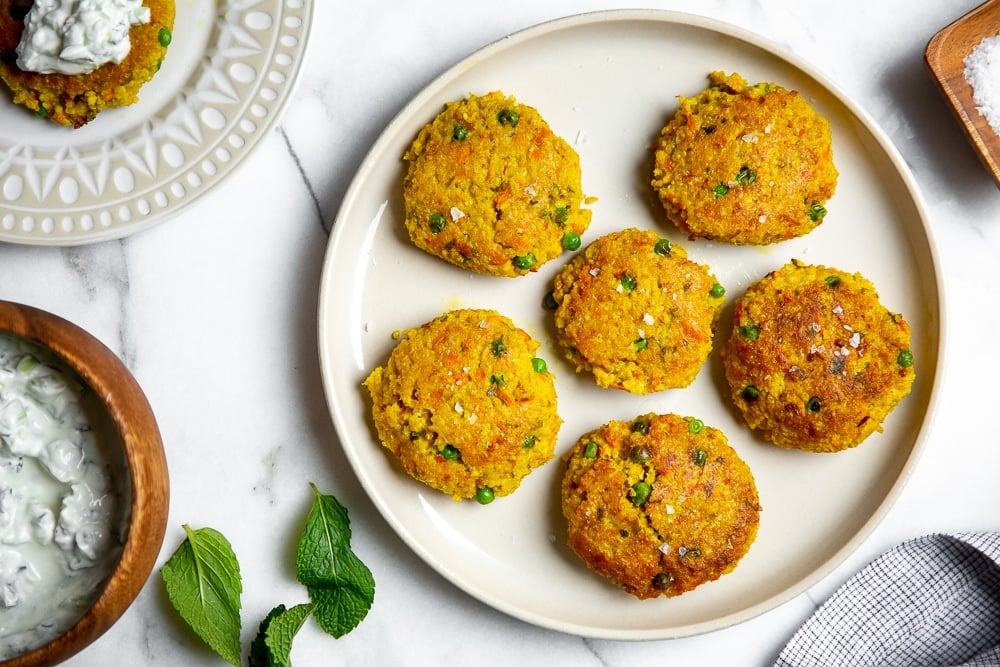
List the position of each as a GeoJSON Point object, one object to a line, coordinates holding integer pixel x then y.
{"type": "Point", "coordinates": [164, 37]}
{"type": "Point", "coordinates": [450, 452]}
{"type": "Point", "coordinates": [641, 344]}
{"type": "Point", "coordinates": [562, 214]}
{"type": "Point", "coordinates": [695, 425]}
{"type": "Point", "coordinates": [662, 580]}
{"type": "Point", "coordinates": [690, 552]}
{"type": "Point", "coordinates": [508, 117]}
{"type": "Point", "coordinates": [699, 457]}
{"type": "Point", "coordinates": [817, 212]}
{"type": "Point", "coordinates": [750, 332]}
{"type": "Point", "coordinates": [904, 358]}
{"type": "Point", "coordinates": [42, 112]}
{"type": "Point", "coordinates": [437, 223]}
{"type": "Point", "coordinates": [529, 442]}
{"type": "Point", "coordinates": [571, 241]}
{"type": "Point", "coordinates": [485, 495]}
{"type": "Point", "coordinates": [459, 133]}
{"type": "Point", "coordinates": [549, 301]}
{"type": "Point", "coordinates": [498, 347]}
{"type": "Point", "coordinates": [590, 450]}
{"type": "Point", "coordinates": [640, 493]}
{"type": "Point", "coordinates": [832, 281]}
{"type": "Point", "coordinates": [720, 189]}
{"type": "Point", "coordinates": [525, 262]}
{"type": "Point", "coordinates": [539, 365]}
{"type": "Point", "coordinates": [814, 405]}
{"type": "Point", "coordinates": [641, 427]}
{"type": "Point", "coordinates": [746, 176]}
{"type": "Point", "coordinates": [628, 283]}
{"type": "Point", "coordinates": [750, 393]}
{"type": "Point", "coordinates": [717, 291]}
{"type": "Point", "coordinates": [663, 247]}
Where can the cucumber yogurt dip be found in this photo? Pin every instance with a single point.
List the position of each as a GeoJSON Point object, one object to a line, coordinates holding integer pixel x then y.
{"type": "Point", "coordinates": [63, 496]}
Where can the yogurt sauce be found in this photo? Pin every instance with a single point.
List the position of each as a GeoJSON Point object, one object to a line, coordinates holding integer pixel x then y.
{"type": "Point", "coordinates": [63, 486]}
{"type": "Point", "coordinates": [77, 36]}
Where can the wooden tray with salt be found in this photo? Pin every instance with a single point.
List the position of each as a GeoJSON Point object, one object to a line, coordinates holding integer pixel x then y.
{"type": "Point", "coordinates": [964, 60]}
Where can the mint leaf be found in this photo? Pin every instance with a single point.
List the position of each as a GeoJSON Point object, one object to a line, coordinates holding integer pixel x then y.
{"type": "Point", "coordinates": [260, 656]}
{"type": "Point", "coordinates": [339, 610]}
{"type": "Point", "coordinates": [340, 585]}
{"type": "Point", "coordinates": [273, 644]}
{"type": "Point", "coordinates": [203, 583]}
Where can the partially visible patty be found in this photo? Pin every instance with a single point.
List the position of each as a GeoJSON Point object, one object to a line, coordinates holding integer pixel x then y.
{"type": "Point", "coordinates": [75, 100]}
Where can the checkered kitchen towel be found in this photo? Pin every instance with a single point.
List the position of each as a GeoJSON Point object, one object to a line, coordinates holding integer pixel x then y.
{"type": "Point", "coordinates": [930, 602]}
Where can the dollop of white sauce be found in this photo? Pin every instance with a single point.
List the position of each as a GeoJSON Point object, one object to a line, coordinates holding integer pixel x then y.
{"type": "Point", "coordinates": [77, 36]}
{"type": "Point", "coordinates": [62, 489]}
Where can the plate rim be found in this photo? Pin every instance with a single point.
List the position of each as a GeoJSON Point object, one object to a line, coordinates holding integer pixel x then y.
{"type": "Point", "coordinates": [889, 151]}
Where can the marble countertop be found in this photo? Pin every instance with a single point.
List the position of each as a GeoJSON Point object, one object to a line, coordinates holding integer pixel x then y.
{"type": "Point", "coordinates": [215, 313]}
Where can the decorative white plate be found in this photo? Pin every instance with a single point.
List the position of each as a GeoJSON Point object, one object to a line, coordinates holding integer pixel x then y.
{"type": "Point", "coordinates": [229, 70]}
{"type": "Point", "coordinates": [607, 82]}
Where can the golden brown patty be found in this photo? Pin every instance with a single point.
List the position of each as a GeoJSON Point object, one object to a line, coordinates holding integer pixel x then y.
{"type": "Point", "coordinates": [465, 405]}
{"type": "Point", "coordinates": [75, 100]}
{"type": "Point", "coordinates": [745, 164]}
{"type": "Point", "coordinates": [659, 505]}
{"type": "Point", "coordinates": [636, 312]}
{"type": "Point", "coordinates": [492, 189]}
{"type": "Point", "coordinates": [814, 360]}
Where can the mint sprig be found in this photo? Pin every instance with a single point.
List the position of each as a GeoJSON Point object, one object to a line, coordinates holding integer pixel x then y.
{"type": "Point", "coordinates": [204, 586]}
{"type": "Point", "coordinates": [203, 583]}
{"type": "Point", "coordinates": [339, 584]}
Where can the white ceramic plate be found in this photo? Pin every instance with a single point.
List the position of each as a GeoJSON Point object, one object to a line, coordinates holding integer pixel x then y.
{"type": "Point", "coordinates": [224, 82]}
{"type": "Point", "coordinates": [607, 82]}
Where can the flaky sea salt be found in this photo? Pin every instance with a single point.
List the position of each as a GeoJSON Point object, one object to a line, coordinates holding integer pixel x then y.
{"type": "Point", "coordinates": [982, 71]}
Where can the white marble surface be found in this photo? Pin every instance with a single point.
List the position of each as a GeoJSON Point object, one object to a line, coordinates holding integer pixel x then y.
{"type": "Point", "coordinates": [215, 312]}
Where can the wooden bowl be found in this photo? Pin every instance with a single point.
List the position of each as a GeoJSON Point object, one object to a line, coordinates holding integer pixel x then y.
{"type": "Point", "coordinates": [945, 59]}
{"type": "Point", "coordinates": [147, 469]}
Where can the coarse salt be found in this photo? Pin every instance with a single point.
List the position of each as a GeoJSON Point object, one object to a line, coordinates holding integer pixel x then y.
{"type": "Point", "coordinates": [982, 71]}
{"type": "Point", "coordinates": [456, 214]}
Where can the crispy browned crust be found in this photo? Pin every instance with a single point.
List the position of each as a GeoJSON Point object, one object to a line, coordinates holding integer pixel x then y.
{"type": "Point", "coordinates": [699, 520]}
{"type": "Point", "coordinates": [813, 361]}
